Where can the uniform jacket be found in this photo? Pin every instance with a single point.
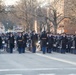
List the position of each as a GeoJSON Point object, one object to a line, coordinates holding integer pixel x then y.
{"type": "Point", "coordinates": [64, 41]}
{"type": "Point", "coordinates": [11, 41]}
{"type": "Point", "coordinates": [50, 41]}
{"type": "Point", "coordinates": [43, 39]}
{"type": "Point", "coordinates": [34, 39]}
{"type": "Point", "coordinates": [20, 41]}
{"type": "Point", "coordinates": [0, 42]}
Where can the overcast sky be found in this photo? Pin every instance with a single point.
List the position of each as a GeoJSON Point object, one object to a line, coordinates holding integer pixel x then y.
{"type": "Point", "coordinates": [10, 2]}
{"type": "Point", "coordinates": [13, 2]}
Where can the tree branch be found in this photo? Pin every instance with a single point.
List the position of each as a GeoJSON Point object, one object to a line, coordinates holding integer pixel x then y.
{"type": "Point", "coordinates": [62, 20]}
{"type": "Point", "coordinates": [50, 20]}
{"type": "Point", "coordinates": [59, 15]}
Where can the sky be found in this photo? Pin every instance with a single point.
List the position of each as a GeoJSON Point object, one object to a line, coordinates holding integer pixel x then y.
{"type": "Point", "coordinates": [10, 2]}
{"type": "Point", "coordinates": [45, 0]}
{"type": "Point", "coordinates": [13, 2]}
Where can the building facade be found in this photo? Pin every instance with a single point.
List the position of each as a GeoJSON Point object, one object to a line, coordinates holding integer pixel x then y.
{"type": "Point", "coordinates": [68, 9]}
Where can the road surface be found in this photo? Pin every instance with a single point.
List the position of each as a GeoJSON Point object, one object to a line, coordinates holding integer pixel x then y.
{"type": "Point", "coordinates": [37, 64]}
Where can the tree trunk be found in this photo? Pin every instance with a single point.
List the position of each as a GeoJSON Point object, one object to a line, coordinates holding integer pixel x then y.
{"type": "Point", "coordinates": [48, 27]}
{"type": "Point", "coordinates": [55, 29]}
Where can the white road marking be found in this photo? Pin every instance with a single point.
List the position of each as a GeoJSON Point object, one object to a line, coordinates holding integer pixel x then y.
{"type": "Point", "coordinates": [13, 74]}
{"type": "Point", "coordinates": [57, 59]}
{"type": "Point", "coordinates": [46, 74]}
{"type": "Point", "coordinates": [72, 74]}
{"type": "Point", "coordinates": [37, 69]}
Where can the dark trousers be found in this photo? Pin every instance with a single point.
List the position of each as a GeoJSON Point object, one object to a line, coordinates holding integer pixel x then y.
{"type": "Point", "coordinates": [49, 50]}
{"type": "Point", "coordinates": [11, 46]}
{"type": "Point", "coordinates": [34, 49]}
{"type": "Point", "coordinates": [23, 50]}
{"type": "Point", "coordinates": [20, 49]}
{"type": "Point", "coordinates": [11, 50]}
{"type": "Point", "coordinates": [44, 49]}
{"type": "Point", "coordinates": [63, 50]}
{"type": "Point", "coordinates": [74, 51]}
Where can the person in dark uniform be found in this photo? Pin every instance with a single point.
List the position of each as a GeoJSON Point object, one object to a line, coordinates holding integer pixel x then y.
{"type": "Point", "coordinates": [24, 42]}
{"type": "Point", "coordinates": [11, 43]}
{"type": "Point", "coordinates": [69, 43]}
{"type": "Point", "coordinates": [75, 44]}
{"type": "Point", "coordinates": [34, 39]}
{"type": "Point", "coordinates": [43, 39]}
{"type": "Point", "coordinates": [0, 42]}
{"type": "Point", "coordinates": [20, 43]}
{"type": "Point", "coordinates": [50, 42]}
{"type": "Point", "coordinates": [55, 43]}
{"type": "Point", "coordinates": [64, 41]}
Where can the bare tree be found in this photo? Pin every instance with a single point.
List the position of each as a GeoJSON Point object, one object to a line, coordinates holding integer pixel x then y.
{"type": "Point", "coordinates": [54, 16]}
{"type": "Point", "coordinates": [0, 5]}
{"type": "Point", "coordinates": [25, 12]}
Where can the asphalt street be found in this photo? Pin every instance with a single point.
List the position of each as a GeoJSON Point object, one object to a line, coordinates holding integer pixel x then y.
{"type": "Point", "coordinates": [37, 64]}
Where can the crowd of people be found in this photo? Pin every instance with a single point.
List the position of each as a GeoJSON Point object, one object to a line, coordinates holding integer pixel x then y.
{"type": "Point", "coordinates": [46, 42]}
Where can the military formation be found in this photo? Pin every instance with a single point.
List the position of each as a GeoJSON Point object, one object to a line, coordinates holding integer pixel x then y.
{"type": "Point", "coordinates": [45, 42]}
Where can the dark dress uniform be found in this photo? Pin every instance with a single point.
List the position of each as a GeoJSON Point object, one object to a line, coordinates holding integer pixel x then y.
{"type": "Point", "coordinates": [24, 42]}
{"type": "Point", "coordinates": [55, 43]}
{"type": "Point", "coordinates": [20, 44]}
{"type": "Point", "coordinates": [75, 45]}
{"type": "Point", "coordinates": [63, 44]}
{"type": "Point", "coordinates": [69, 44]}
{"type": "Point", "coordinates": [43, 39]}
{"type": "Point", "coordinates": [11, 43]}
{"type": "Point", "coordinates": [0, 42]}
{"type": "Point", "coordinates": [50, 43]}
{"type": "Point", "coordinates": [34, 39]}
